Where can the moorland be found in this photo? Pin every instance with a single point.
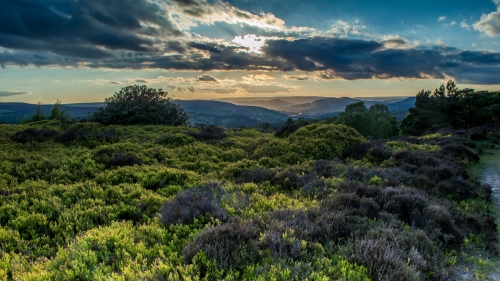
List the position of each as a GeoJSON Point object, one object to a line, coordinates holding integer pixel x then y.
{"type": "Point", "coordinates": [356, 196]}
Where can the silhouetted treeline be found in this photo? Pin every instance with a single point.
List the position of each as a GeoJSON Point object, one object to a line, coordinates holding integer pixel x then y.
{"type": "Point", "coordinates": [450, 107]}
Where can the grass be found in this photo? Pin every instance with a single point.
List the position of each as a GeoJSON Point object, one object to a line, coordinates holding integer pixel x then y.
{"type": "Point", "coordinates": [474, 261]}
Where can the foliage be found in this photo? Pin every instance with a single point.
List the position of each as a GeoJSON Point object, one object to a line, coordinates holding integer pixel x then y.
{"type": "Point", "coordinates": [83, 201]}
{"type": "Point", "coordinates": [450, 107]}
{"type": "Point", "coordinates": [140, 105]}
{"type": "Point", "coordinates": [375, 122]}
{"type": "Point", "coordinates": [57, 114]}
{"type": "Point", "coordinates": [39, 114]}
{"type": "Point", "coordinates": [289, 127]}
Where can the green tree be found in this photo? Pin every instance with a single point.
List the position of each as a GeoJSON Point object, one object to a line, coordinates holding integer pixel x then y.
{"type": "Point", "coordinates": [39, 114]}
{"type": "Point", "coordinates": [375, 122]}
{"type": "Point", "coordinates": [355, 107]}
{"type": "Point", "coordinates": [451, 107]}
{"type": "Point", "coordinates": [57, 113]}
{"type": "Point", "coordinates": [140, 105]}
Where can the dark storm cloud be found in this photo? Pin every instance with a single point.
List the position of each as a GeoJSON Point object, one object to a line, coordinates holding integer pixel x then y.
{"type": "Point", "coordinates": [82, 28]}
{"type": "Point", "coordinates": [207, 78]}
{"type": "Point", "coordinates": [205, 47]}
{"type": "Point", "coordinates": [193, 8]}
{"type": "Point", "coordinates": [395, 41]}
{"type": "Point", "coordinates": [328, 58]}
{"type": "Point", "coordinates": [11, 93]}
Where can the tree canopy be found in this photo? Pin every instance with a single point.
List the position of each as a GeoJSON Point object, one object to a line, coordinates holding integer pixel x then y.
{"type": "Point", "coordinates": [450, 107]}
{"type": "Point", "coordinates": [140, 105]}
{"type": "Point", "coordinates": [375, 122]}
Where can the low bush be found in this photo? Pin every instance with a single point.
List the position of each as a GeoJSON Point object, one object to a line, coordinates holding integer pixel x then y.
{"type": "Point", "coordinates": [121, 160]}
{"type": "Point", "coordinates": [256, 175]}
{"type": "Point", "coordinates": [286, 179]}
{"type": "Point", "coordinates": [357, 152]}
{"type": "Point", "coordinates": [231, 245]}
{"type": "Point", "coordinates": [208, 133]}
{"type": "Point", "coordinates": [33, 135]}
{"type": "Point", "coordinates": [384, 260]}
{"type": "Point", "coordinates": [192, 204]}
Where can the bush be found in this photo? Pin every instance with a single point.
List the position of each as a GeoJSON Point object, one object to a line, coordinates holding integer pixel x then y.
{"type": "Point", "coordinates": [232, 245]}
{"type": "Point", "coordinates": [33, 135]}
{"type": "Point", "coordinates": [256, 175]}
{"type": "Point", "coordinates": [209, 133]}
{"type": "Point", "coordinates": [324, 141]}
{"type": "Point", "coordinates": [140, 105]}
{"type": "Point", "coordinates": [286, 179]}
{"type": "Point", "coordinates": [357, 152]}
{"type": "Point", "coordinates": [192, 204]}
{"type": "Point", "coordinates": [384, 260]}
{"type": "Point", "coordinates": [290, 127]}
{"type": "Point", "coordinates": [121, 160]}
{"type": "Point", "coordinates": [175, 139]}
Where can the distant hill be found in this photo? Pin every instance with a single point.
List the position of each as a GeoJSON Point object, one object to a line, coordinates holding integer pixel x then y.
{"type": "Point", "coordinates": [333, 106]}
{"type": "Point", "coordinates": [323, 106]}
{"type": "Point", "coordinates": [274, 104]}
{"type": "Point", "coordinates": [292, 100]}
{"type": "Point", "coordinates": [202, 112]}
{"type": "Point", "coordinates": [228, 114]}
{"type": "Point", "coordinates": [14, 112]}
{"type": "Point", "coordinates": [402, 105]}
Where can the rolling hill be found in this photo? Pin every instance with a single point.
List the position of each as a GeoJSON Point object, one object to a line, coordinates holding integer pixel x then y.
{"type": "Point", "coordinates": [202, 112]}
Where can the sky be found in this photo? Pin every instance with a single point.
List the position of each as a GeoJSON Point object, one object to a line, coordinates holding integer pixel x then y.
{"type": "Point", "coordinates": [86, 50]}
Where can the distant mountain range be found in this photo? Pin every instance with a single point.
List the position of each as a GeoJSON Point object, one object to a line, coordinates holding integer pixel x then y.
{"type": "Point", "coordinates": [274, 104]}
{"type": "Point", "coordinates": [228, 114]}
{"type": "Point", "coordinates": [334, 106]}
{"type": "Point", "coordinates": [235, 112]}
{"type": "Point", "coordinates": [202, 112]}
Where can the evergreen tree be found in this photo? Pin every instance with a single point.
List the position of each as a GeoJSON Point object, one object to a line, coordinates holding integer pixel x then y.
{"type": "Point", "coordinates": [39, 114]}
{"type": "Point", "coordinates": [57, 113]}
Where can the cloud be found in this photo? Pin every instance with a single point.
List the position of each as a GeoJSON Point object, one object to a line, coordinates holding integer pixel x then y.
{"type": "Point", "coordinates": [442, 18]}
{"type": "Point", "coordinates": [258, 77]}
{"type": "Point", "coordinates": [489, 24]}
{"type": "Point", "coordinates": [264, 89]}
{"type": "Point", "coordinates": [296, 77]}
{"type": "Point", "coordinates": [343, 29]}
{"type": "Point", "coordinates": [327, 58]}
{"type": "Point", "coordinates": [100, 81]}
{"type": "Point", "coordinates": [90, 29]}
{"type": "Point", "coordinates": [465, 25]}
{"type": "Point", "coordinates": [440, 42]}
{"type": "Point", "coordinates": [453, 23]}
{"type": "Point", "coordinates": [204, 12]}
{"type": "Point", "coordinates": [207, 78]}
{"type": "Point", "coordinates": [12, 93]}
{"type": "Point", "coordinates": [191, 89]}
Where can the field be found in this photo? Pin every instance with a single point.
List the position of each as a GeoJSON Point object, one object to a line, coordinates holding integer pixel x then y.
{"type": "Point", "coordinates": [82, 201]}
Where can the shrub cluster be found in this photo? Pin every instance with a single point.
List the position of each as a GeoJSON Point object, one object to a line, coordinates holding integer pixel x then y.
{"type": "Point", "coordinates": [40, 135]}
{"type": "Point", "coordinates": [33, 135]}
{"type": "Point", "coordinates": [208, 133]}
{"type": "Point", "coordinates": [192, 204]}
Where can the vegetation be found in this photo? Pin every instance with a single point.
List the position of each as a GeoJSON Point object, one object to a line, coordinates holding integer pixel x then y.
{"type": "Point", "coordinates": [310, 201]}
{"type": "Point", "coordinates": [84, 201]}
{"type": "Point", "coordinates": [450, 107]}
{"type": "Point", "coordinates": [140, 105]}
{"type": "Point", "coordinates": [375, 122]}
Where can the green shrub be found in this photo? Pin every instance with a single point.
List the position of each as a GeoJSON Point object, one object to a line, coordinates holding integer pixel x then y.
{"type": "Point", "coordinates": [324, 141]}
{"type": "Point", "coordinates": [140, 105]}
